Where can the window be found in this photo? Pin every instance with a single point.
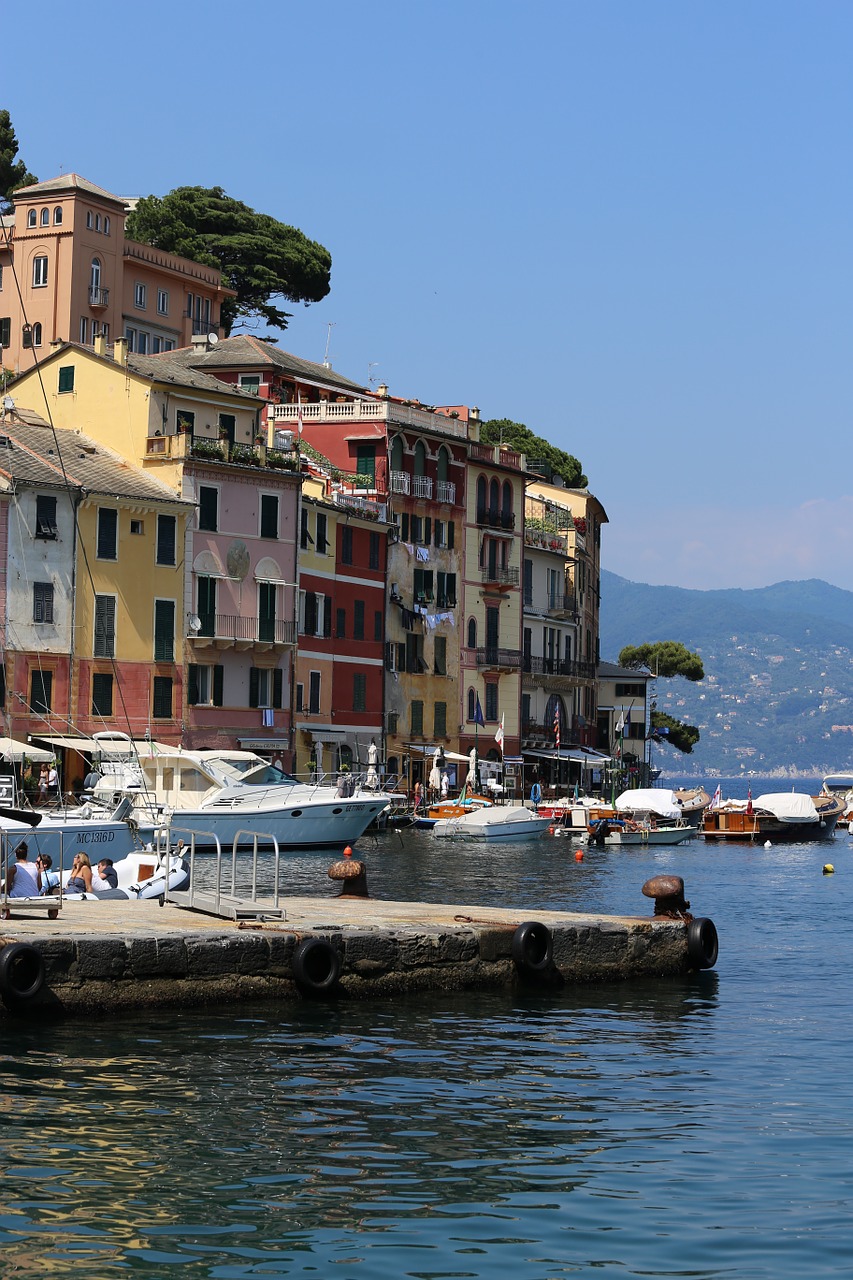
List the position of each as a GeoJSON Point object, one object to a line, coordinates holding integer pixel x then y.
{"type": "Point", "coordinates": [32, 218]}
{"type": "Point", "coordinates": [304, 536]}
{"type": "Point", "coordinates": [107, 533]}
{"type": "Point", "coordinates": [265, 686]}
{"type": "Point", "coordinates": [300, 697]}
{"type": "Point", "coordinates": [42, 602]}
{"type": "Point", "coordinates": [423, 586]}
{"type": "Point", "coordinates": [142, 343]}
{"type": "Point", "coordinates": [139, 291]}
{"type": "Point", "coordinates": [373, 561]}
{"type": "Point", "coordinates": [184, 421]}
{"type": "Point", "coordinates": [105, 626]}
{"type": "Point", "coordinates": [137, 526]}
{"type": "Point", "coordinates": [31, 335]}
{"type": "Point", "coordinates": [45, 217]}
{"type": "Point", "coordinates": [341, 624]}
{"type": "Point", "coordinates": [630, 690]}
{"type": "Point", "coordinates": [130, 334]}
{"type": "Point", "coordinates": [166, 537]}
{"type": "Point", "coordinates": [358, 620]}
{"type": "Point", "coordinates": [162, 700]}
{"type": "Point", "coordinates": [90, 221]}
{"type": "Point", "coordinates": [66, 378]}
{"type": "Point", "coordinates": [106, 226]}
{"type": "Point", "coordinates": [156, 345]}
{"type": "Point", "coordinates": [204, 685]}
{"type": "Point", "coordinates": [208, 508]}
{"type": "Point", "coordinates": [359, 691]}
{"type": "Point", "coordinates": [397, 453]}
{"type": "Point", "coordinates": [416, 525]}
{"type": "Point", "coordinates": [314, 693]}
{"type": "Point", "coordinates": [84, 330]}
{"type": "Point", "coordinates": [57, 216]}
{"type": "Point", "coordinates": [102, 693]}
{"type": "Point", "coordinates": [440, 720]}
{"type": "Point", "coordinates": [446, 596]}
{"type": "Point", "coordinates": [163, 302]}
{"type": "Point", "coordinates": [6, 331]}
{"type": "Point", "coordinates": [266, 611]}
{"type": "Point", "coordinates": [439, 665]}
{"type": "Point", "coordinates": [46, 517]}
{"type": "Point", "coordinates": [40, 271]}
{"type": "Point", "coordinates": [206, 597]}
{"type": "Point", "coordinates": [472, 704]}
{"type": "Point", "coordinates": [491, 702]}
{"type": "Point", "coordinates": [164, 630]}
{"type": "Point", "coordinates": [269, 515]}
{"type": "Point", "coordinates": [472, 633]}
{"type": "Point", "coordinates": [250, 382]}
{"type": "Point", "coordinates": [420, 458]}
{"type": "Point", "coordinates": [97, 222]}
{"type": "Point", "coordinates": [417, 719]}
{"type": "Point", "coordinates": [414, 655]}
{"type": "Point", "coordinates": [322, 540]}
{"type": "Point", "coordinates": [37, 334]}
{"type": "Point", "coordinates": [366, 463]}
{"type": "Point", "coordinates": [346, 545]}
{"type": "Point", "coordinates": [41, 692]}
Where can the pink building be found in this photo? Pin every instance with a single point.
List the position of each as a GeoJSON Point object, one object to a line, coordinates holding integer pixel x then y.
{"type": "Point", "coordinates": [80, 278]}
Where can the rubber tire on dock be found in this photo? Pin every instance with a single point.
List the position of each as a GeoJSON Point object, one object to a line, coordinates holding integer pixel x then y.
{"type": "Point", "coordinates": [532, 947]}
{"type": "Point", "coordinates": [316, 967]}
{"type": "Point", "coordinates": [21, 972]}
{"type": "Point", "coordinates": [702, 943]}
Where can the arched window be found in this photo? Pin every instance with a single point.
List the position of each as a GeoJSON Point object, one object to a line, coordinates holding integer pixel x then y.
{"type": "Point", "coordinates": [57, 215]}
{"type": "Point", "coordinates": [32, 218]}
{"type": "Point", "coordinates": [95, 275]}
{"type": "Point", "coordinates": [37, 334]}
{"type": "Point", "coordinates": [494, 498]}
{"type": "Point", "coordinates": [443, 462]}
{"type": "Point", "coordinates": [45, 217]}
{"type": "Point", "coordinates": [472, 633]}
{"type": "Point", "coordinates": [481, 496]}
{"type": "Point", "coordinates": [472, 704]}
{"type": "Point", "coordinates": [397, 453]}
{"type": "Point", "coordinates": [420, 458]}
{"type": "Point", "coordinates": [506, 505]}
{"type": "Point", "coordinates": [106, 226]}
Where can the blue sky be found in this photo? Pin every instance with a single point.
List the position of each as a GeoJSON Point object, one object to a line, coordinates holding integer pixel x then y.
{"type": "Point", "coordinates": [626, 225]}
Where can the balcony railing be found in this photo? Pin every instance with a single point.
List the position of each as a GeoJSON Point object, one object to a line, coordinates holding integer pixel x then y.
{"type": "Point", "coordinates": [400, 482]}
{"type": "Point", "coordinates": [446, 491]}
{"type": "Point", "coordinates": [507, 577]}
{"type": "Point", "coordinates": [366, 507]}
{"type": "Point", "coordinates": [422, 486]}
{"type": "Point", "coordinates": [203, 326]}
{"type": "Point", "coordinates": [495, 519]}
{"type": "Point", "coordinates": [229, 626]}
{"type": "Point", "coordinates": [538, 666]}
{"type": "Point", "coordinates": [495, 454]}
{"type": "Point", "coordinates": [495, 657]}
{"type": "Point", "coordinates": [559, 602]}
{"type": "Point", "coordinates": [369, 411]}
{"type": "Point", "coordinates": [98, 297]}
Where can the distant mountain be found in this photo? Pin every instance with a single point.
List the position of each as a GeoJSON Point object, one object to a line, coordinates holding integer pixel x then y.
{"type": "Point", "coordinates": [778, 689]}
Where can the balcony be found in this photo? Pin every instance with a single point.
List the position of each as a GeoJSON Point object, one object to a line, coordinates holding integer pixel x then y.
{"type": "Point", "coordinates": [562, 605]}
{"type": "Point", "coordinates": [545, 540]}
{"type": "Point", "coordinates": [495, 519]}
{"type": "Point", "coordinates": [401, 482]}
{"type": "Point", "coordinates": [422, 486]}
{"type": "Point", "coordinates": [506, 577]}
{"type": "Point", "coordinates": [557, 668]}
{"type": "Point", "coordinates": [98, 297]}
{"type": "Point", "coordinates": [446, 491]}
{"type": "Point", "coordinates": [366, 507]}
{"type": "Point", "coordinates": [227, 629]}
{"type": "Point", "coordinates": [370, 411]}
{"type": "Point", "coordinates": [499, 659]}
{"type": "Point", "coordinates": [495, 455]}
{"type": "Point", "coordinates": [200, 327]}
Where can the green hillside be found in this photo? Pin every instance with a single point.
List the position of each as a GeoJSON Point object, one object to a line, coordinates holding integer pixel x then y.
{"type": "Point", "coordinates": [778, 690]}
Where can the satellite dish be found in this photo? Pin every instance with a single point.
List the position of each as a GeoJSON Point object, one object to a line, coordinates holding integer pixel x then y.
{"type": "Point", "coordinates": [213, 338]}
{"type": "Point", "coordinates": [195, 623]}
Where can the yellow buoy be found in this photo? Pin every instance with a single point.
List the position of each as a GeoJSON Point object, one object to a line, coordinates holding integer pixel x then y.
{"type": "Point", "coordinates": [828, 869]}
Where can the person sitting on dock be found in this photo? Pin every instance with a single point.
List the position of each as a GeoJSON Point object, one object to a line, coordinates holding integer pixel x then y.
{"type": "Point", "coordinates": [105, 876]}
{"type": "Point", "coordinates": [48, 880]}
{"type": "Point", "coordinates": [22, 876]}
{"type": "Point", "coordinates": [80, 880]}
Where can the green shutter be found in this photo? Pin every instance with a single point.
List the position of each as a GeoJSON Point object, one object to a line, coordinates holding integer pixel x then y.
{"type": "Point", "coordinates": [218, 674]}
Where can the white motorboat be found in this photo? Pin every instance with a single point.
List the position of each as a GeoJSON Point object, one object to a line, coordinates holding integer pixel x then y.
{"type": "Point", "coordinates": [229, 795]}
{"type": "Point", "coordinates": [512, 822]}
{"type": "Point", "coordinates": [140, 875]}
{"type": "Point", "coordinates": [619, 831]}
{"type": "Point", "coordinates": [111, 832]}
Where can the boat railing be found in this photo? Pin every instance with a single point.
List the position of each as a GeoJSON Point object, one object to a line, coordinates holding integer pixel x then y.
{"type": "Point", "coordinates": [222, 897]}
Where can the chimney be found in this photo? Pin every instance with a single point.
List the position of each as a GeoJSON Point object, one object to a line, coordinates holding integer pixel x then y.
{"type": "Point", "coordinates": [101, 345]}
{"type": "Point", "coordinates": [200, 342]}
{"type": "Point", "coordinates": [382, 390]}
{"type": "Point", "coordinates": [120, 351]}
{"type": "Point", "coordinates": [475, 414]}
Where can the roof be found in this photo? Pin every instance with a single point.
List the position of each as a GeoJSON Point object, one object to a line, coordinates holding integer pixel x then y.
{"type": "Point", "coordinates": [33, 453]}
{"type": "Point", "coordinates": [66, 182]}
{"type": "Point", "coordinates": [610, 671]}
{"type": "Point", "coordinates": [244, 351]}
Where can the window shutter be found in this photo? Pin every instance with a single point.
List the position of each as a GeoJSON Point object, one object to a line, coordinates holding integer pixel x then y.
{"type": "Point", "coordinates": [404, 527]}
{"type": "Point", "coordinates": [327, 617]}
{"type": "Point", "coordinates": [218, 673]}
{"type": "Point", "coordinates": [254, 687]}
{"type": "Point", "coordinates": [277, 683]}
{"type": "Point", "coordinates": [450, 529]}
{"type": "Point", "coordinates": [389, 656]}
{"type": "Point", "coordinates": [401, 657]}
{"type": "Point", "coordinates": [166, 539]}
{"type": "Point", "coordinates": [192, 684]}
{"type": "Point", "coordinates": [428, 530]}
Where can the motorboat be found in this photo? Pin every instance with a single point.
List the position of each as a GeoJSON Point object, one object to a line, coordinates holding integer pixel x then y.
{"type": "Point", "coordinates": [840, 785]}
{"type": "Point", "coordinates": [510, 822]}
{"type": "Point", "coordinates": [776, 816]}
{"type": "Point", "coordinates": [627, 832]}
{"type": "Point", "coordinates": [232, 795]}
{"type": "Point", "coordinates": [457, 808]}
{"type": "Point", "coordinates": [112, 831]}
{"type": "Point", "coordinates": [141, 875]}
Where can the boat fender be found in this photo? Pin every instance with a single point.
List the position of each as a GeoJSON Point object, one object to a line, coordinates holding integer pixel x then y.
{"type": "Point", "coordinates": [535, 793]}
{"type": "Point", "coordinates": [702, 943]}
{"type": "Point", "coordinates": [316, 967]}
{"type": "Point", "coordinates": [532, 947]}
{"type": "Point", "coordinates": [21, 972]}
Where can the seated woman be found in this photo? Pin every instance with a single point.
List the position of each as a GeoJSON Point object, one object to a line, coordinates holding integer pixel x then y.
{"type": "Point", "coordinates": [80, 880]}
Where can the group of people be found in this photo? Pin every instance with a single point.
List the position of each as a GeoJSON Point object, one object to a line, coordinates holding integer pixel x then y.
{"type": "Point", "coordinates": [48, 784]}
{"type": "Point", "coordinates": [25, 879]}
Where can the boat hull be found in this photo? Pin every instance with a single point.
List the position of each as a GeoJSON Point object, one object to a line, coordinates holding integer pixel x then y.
{"type": "Point", "coordinates": [673, 835]}
{"type": "Point", "coordinates": [332, 825]}
{"type": "Point", "coordinates": [63, 839]}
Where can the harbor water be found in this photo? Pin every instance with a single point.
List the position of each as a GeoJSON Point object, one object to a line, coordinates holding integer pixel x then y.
{"type": "Point", "coordinates": [693, 1127]}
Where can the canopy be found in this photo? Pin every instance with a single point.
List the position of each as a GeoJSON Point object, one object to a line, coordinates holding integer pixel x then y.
{"type": "Point", "coordinates": [11, 749]}
{"type": "Point", "coordinates": [649, 800]}
{"type": "Point", "coordinates": [430, 751]}
{"type": "Point", "coordinates": [788, 806]}
{"type": "Point", "coordinates": [579, 755]}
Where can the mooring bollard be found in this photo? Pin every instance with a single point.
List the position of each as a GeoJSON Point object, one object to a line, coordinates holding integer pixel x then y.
{"type": "Point", "coordinates": [668, 893]}
{"type": "Point", "coordinates": [352, 875]}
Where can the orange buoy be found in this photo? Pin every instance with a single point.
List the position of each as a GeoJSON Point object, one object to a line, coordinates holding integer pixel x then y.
{"type": "Point", "coordinates": [348, 852]}
{"type": "Point", "coordinates": [578, 855]}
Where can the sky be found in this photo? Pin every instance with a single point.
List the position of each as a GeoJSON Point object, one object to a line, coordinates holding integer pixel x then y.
{"type": "Point", "coordinates": [627, 225]}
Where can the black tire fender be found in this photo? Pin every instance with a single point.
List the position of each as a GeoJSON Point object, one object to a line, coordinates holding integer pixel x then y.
{"type": "Point", "coordinates": [702, 943]}
{"type": "Point", "coordinates": [532, 947]}
{"type": "Point", "coordinates": [316, 966]}
{"type": "Point", "coordinates": [21, 972]}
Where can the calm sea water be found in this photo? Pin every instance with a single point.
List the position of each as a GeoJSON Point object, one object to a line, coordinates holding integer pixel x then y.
{"type": "Point", "coordinates": [696, 1127]}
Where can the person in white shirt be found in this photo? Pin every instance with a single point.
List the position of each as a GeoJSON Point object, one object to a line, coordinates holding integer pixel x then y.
{"type": "Point", "coordinates": [22, 877]}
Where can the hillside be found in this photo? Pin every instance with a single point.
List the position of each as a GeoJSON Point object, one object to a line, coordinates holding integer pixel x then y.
{"type": "Point", "coordinates": [778, 689]}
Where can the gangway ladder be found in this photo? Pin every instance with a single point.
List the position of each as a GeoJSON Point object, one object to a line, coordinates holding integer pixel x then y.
{"type": "Point", "coordinates": [219, 901]}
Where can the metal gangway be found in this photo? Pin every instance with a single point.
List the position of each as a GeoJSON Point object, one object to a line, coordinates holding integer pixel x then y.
{"type": "Point", "coordinates": [222, 898]}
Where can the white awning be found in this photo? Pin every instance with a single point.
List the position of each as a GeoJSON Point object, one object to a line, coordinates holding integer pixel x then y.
{"type": "Point", "coordinates": [430, 751]}
{"type": "Point", "coordinates": [11, 749]}
{"type": "Point", "coordinates": [574, 754]}
{"type": "Point", "coordinates": [86, 745]}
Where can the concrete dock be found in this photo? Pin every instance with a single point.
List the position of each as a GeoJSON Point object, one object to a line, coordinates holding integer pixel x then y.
{"type": "Point", "coordinates": [98, 957]}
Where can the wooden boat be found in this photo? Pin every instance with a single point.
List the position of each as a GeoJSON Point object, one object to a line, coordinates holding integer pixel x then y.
{"type": "Point", "coordinates": [777, 816]}
{"type": "Point", "coordinates": [451, 809]}
{"type": "Point", "coordinates": [510, 822]}
{"type": "Point", "coordinates": [617, 831]}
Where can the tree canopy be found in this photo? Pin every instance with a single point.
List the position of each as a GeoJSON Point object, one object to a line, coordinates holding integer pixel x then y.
{"type": "Point", "coordinates": [13, 173]}
{"type": "Point", "coordinates": [667, 658]}
{"type": "Point", "coordinates": [260, 258]}
{"type": "Point", "coordinates": [536, 448]}
{"type": "Point", "coordinates": [678, 734]}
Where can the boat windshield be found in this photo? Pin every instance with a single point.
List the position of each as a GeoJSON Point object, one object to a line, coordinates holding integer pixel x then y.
{"type": "Point", "coordinates": [266, 775]}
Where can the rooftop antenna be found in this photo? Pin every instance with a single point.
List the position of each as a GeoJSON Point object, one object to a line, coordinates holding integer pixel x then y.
{"type": "Point", "coordinates": [370, 378]}
{"type": "Point", "coordinates": [326, 364]}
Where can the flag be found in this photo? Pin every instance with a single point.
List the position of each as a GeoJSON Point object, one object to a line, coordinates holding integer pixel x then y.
{"type": "Point", "coordinates": [499, 734]}
{"type": "Point", "coordinates": [717, 799]}
{"type": "Point", "coordinates": [478, 714]}
{"type": "Point", "coordinates": [557, 724]}
{"type": "Point", "coordinates": [624, 721]}
{"type": "Point", "coordinates": [749, 800]}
